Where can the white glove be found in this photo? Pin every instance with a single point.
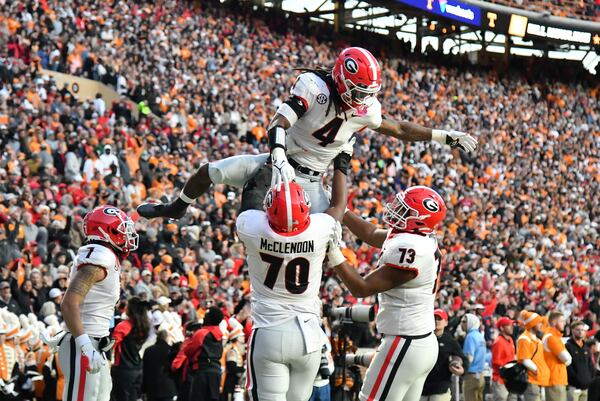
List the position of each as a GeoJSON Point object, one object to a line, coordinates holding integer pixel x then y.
{"type": "Point", "coordinates": [283, 172]}
{"type": "Point", "coordinates": [95, 360]}
{"type": "Point", "coordinates": [335, 255]}
{"type": "Point", "coordinates": [455, 139]}
{"type": "Point", "coordinates": [52, 341]}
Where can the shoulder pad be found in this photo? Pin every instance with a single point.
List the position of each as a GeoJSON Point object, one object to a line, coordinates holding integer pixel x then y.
{"type": "Point", "coordinates": [97, 255]}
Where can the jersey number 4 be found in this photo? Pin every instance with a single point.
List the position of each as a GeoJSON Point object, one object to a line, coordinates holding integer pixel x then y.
{"type": "Point", "coordinates": [296, 273]}
{"type": "Point", "coordinates": [327, 134]}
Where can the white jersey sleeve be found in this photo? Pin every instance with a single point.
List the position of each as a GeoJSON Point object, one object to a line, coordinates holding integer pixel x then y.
{"type": "Point", "coordinates": [98, 306]}
{"type": "Point", "coordinates": [408, 308]}
{"type": "Point", "coordinates": [97, 255]}
{"type": "Point", "coordinates": [375, 117]}
{"type": "Point", "coordinates": [304, 91]}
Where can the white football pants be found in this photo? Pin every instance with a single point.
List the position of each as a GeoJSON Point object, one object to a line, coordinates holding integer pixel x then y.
{"type": "Point", "coordinates": [278, 368]}
{"type": "Point", "coordinates": [237, 170]}
{"type": "Point", "coordinates": [79, 384]}
{"type": "Point", "coordinates": [399, 369]}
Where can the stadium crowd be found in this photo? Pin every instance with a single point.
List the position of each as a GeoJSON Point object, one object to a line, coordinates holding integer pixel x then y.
{"type": "Point", "coordinates": [522, 224]}
{"type": "Point", "coordinates": [578, 9]}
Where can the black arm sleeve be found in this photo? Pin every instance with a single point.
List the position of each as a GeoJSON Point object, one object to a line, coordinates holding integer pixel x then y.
{"type": "Point", "coordinates": [297, 104]}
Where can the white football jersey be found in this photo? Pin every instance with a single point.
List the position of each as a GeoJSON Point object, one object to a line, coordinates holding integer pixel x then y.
{"type": "Point", "coordinates": [285, 271]}
{"type": "Point", "coordinates": [408, 309]}
{"type": "Point", "coordinates": [315, 138]}
{"type": "Point", "coordinates": [98, 307]}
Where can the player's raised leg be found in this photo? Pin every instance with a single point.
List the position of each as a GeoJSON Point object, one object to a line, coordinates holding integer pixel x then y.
{"type": "Point", "coordinates": [234, 171]}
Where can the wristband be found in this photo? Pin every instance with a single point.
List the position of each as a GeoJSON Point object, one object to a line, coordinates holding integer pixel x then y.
{"type": "Point", "coordinates": [439, 136]}
{"type": "Point", "coordinates": [336, 257]}
{"type": "Point", "coordinates": [277, 137]}
{"type": "Point", "coordinates": [82, 340]}
{"type": "Point", "coordinates": [278, 154]}
{"type": "Point", "coordinates": [185, 198]}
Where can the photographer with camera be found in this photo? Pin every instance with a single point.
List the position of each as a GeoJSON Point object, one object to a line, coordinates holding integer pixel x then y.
{"type": "Point", "coordinates": [321, 387]}
{"type": "Point", "coordinates": [451, 361]}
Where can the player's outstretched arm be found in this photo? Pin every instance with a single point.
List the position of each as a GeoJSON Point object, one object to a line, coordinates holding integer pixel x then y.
{"type": "Point", "coordinates": [85, 278]}
{"type": "Point", "coordinates": [364, 230]}
{"type": "Point", "coordinates": [380, 280]}
{"type": "Point", "coordinates": [411, 132]}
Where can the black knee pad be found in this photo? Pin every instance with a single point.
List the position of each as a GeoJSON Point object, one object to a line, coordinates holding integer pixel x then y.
{"type": "Point", "coordinates": [256, 188]}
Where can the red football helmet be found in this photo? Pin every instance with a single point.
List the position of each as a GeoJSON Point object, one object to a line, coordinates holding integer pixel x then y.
{"type": "Point", "coordinates": [288, 212]}
{"type": "Point", "coordinates": [357, 76]}
{"type": "Point", "coordinates": [418, 209]}
{"type": "Point", "coordinates": [112, 225]}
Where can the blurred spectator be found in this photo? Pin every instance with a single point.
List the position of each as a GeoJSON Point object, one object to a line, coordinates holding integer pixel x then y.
{"type": "Point", "coordinates": [158, 383]}
{"type": "Point", "coordinates": [474, 350]}
{"type": "Point", "coordinates": [6, 299]}
{"type": "Point", "coordinates": [129, 336]}
{"type": "Point", "coordinates": [450, 361]}
{"type": "Point", "coordinates": [581, 371]}
{"type": "Point", "coordinates": [530, 353]}
{"type": "Point", "coordinates": [556, 356]}
{"type": "Point", "coordinates": [204, 353]}
{"type": "Point", "coordinates": [503, 351]}
{"type": "Point", "coordinates": [322, 384]}
{"type": "Point", "coordinates": [233, 353]}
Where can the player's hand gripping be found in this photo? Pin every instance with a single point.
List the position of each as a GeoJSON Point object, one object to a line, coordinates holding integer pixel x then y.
{"type": "Point", "coordinates": [95, 360]}
{"type": "Point", "coordinates": [455, 139]}
{"type": "Point", "coordinates": [283, 172]}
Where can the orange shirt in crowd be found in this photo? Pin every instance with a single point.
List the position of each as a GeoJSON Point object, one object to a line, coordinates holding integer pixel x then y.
{"type": "Point", "coordinates": [553, 346]}
{"type": "Point", "coordinates": [530, 347]}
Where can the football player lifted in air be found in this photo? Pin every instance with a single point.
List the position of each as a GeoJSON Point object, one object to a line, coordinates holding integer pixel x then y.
{"type": "Point", "coordinates": [316, 124]}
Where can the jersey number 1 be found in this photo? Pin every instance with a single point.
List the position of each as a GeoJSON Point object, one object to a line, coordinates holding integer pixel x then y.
{"type": "Point", "coordinates": [328, 133]}
{"type": "Point", "coordinates": [296, 273]}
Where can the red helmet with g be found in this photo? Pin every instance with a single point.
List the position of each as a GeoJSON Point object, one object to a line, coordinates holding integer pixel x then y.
{"type": "Point", "coordinates": [111, 225]}
{"type": "Point", "coordinates": [288, 212]}
{"type": "Point", "coordinates": [417, 209]}
{"type": "Point", "coordinates": [357, 76]}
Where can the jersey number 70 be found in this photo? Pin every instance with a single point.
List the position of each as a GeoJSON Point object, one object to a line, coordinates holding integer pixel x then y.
{"type": "Point", "coordinates": [296, 273]}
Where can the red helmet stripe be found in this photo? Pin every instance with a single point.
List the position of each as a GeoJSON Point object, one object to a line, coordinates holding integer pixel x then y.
{"type": "Point", "coordinates": [372, 62]}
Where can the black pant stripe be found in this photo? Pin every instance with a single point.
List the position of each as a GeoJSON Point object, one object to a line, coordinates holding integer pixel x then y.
{"type": "Point", "coordinates": [390, 380]}
{"type": "Point", "coordinates": [253, 372]}
{"type": "Point", "coordinates": [72, 367]}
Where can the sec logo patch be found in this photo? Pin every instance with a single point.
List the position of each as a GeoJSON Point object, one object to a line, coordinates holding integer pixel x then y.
{"type": "Point", "coordinates": [321, 98]}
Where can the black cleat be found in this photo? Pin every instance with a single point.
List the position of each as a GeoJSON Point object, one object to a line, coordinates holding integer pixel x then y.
{"type": "Point", "coordinates": [174, 210]}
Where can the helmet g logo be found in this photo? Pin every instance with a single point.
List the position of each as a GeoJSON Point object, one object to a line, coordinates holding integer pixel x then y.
{"type": "Point", "coordinates": [112, 211]}
{"type": "Point", "coordinates": [351, 65]}
{"type": "Point", "coordinates": [431, 205]}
